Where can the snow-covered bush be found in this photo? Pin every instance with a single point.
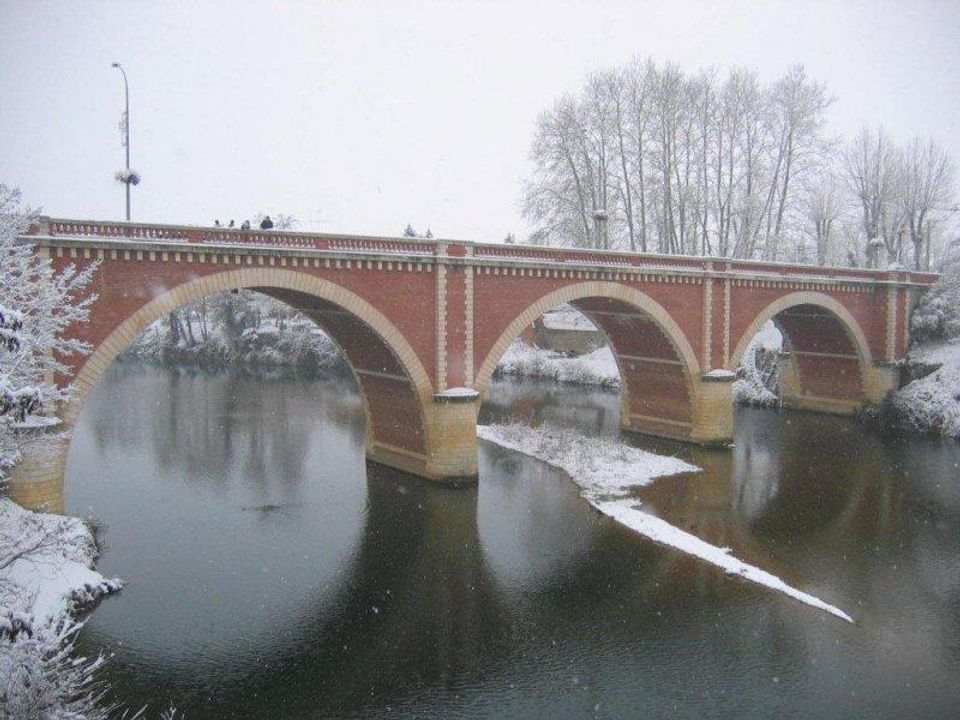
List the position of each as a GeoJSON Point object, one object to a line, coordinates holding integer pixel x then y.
{"type": "Point", "coordinates": [758, 377]}
{"type": "Point", "coordinates": [36, 307]}
{"type": "Point", "coordinates": [937, 315]}
{"type": "Point", "coordinates": [42, 678]}
{"type": "Point", "coordinates": [244, 330]}
{"type": "Point", "coordinates": [595, 368]}
{"type": "Point", "coordinates": [930, 401]}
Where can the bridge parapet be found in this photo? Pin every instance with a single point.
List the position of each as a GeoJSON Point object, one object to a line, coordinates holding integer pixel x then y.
{"type": "Point", "coordinates": [231, 236]}
{"type": "Point", "coordinates": [743, 271]}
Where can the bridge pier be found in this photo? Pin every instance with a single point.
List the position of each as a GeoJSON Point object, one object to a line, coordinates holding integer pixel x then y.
{"type": "Point", "coordinates": [451, 441]}
{"type": "Point", "coordinates": [36, 483]}
{"type": "Point", "coordinates": [713, 408]}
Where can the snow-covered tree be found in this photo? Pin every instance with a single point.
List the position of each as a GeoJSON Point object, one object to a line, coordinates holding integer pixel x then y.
{"type": "Point", "coordinates": [36, 307]}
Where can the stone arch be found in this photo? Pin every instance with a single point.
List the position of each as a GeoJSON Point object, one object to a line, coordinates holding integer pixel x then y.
{"type": "Point", "coordinates": [283, 284]}
{"type": "Point", "coordinates": [818, 299]}
{"type": "Point", "coordinates": [659, 370]}
{"type": "Point", "coordinates": [829, 366]}
{"type": "Point", "coordinates": [572, 293]}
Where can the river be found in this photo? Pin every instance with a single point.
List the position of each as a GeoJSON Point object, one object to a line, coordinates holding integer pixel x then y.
{"type": "Point", "coordinates": [272, 574]}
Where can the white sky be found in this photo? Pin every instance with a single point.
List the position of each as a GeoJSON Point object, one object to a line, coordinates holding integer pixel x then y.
{"type": "Point", "coordinates": [365, 116]}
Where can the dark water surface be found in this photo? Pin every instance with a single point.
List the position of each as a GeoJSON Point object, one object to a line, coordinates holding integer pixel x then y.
{"type": "Point", "coordinates": [272, 574]}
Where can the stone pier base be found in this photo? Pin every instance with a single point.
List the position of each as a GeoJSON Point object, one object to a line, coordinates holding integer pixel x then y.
{"type": "Point", "coordinates": [36, 483]}
{"type": "Point", "coordinates": [451, 427]}
{"type": "Point", "coordinates": [713, 408]}
{"type": "Point", "coordinates": [880, 381]}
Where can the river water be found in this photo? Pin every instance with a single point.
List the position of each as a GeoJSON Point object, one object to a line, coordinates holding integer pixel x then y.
{"type": "Point", "coordinates": [272, 574]}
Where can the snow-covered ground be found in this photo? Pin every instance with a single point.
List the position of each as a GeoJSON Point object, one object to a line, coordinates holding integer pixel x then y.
{"type": "Point", "coordinates": [932, 403]}
{"type": "Point", "coordinates": [594, 368]}
{"type": "Point", "coordinates": [46, 568]}
{"type": "Point", "coordinates": [605, 470]}
{"type": "Point", "coordinates": [567, 317]}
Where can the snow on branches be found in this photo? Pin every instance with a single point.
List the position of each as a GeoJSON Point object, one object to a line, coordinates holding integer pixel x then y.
{"type": "Point", "coordinates": [36, 308]}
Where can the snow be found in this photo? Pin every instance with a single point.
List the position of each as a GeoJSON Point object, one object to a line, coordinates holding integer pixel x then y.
{"type": "Point", "coordinates": [567, 317]}
{"type": "Point", "coordinates": [37, 422]}
{"type": "Point", "coordinates": [50, 570]}
{"type": "Point", "coordinates": [459, 392]}
{"type": "Point", "coordinates": [595, 368]}
{"type": "Point", "coordinates": [720, 374]}
{"type": "Point", "coordinates": [932, 403]}
{"type": "Point", "coordinates": [757, 384]}
{"type": "Point", "coordinates": [601, 467]}
{"type": "Point", "coordinates": [606, 470]}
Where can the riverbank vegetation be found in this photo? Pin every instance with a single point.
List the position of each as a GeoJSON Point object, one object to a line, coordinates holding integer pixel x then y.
{"type": "Point", "coordinates": [240, 331]}
{"type": "Point", "coordinates": [47, 578]}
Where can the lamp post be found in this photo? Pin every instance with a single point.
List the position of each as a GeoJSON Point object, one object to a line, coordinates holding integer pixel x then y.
{"type": "Point", "coordinates": [125, 126]}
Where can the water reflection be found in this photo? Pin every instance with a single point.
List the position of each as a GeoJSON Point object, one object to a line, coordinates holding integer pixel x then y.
{"type": "Point", "coordinates": [272, 573]}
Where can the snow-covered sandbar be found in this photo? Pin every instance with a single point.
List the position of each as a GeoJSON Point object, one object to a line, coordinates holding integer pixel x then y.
{"type": "Point", "coordinates": [605, 470]}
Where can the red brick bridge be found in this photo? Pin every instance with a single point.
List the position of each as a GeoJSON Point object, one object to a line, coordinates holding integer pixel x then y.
{"type": "Point", "coordinates": [423, 322]}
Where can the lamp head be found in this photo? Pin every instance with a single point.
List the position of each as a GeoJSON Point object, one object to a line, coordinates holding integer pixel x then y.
{"type": "Point", "coordinates": [116, 65]}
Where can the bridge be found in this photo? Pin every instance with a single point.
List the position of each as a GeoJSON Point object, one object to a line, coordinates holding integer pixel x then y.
{"type": "Point", "coordinates": [423, 324]}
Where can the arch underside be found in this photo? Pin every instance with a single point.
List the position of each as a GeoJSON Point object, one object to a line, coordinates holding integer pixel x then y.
{"type": "Point", "coordinates": [395, 423]}
{"type": "Point", "coordinates": [655, 381]}
{"type": "Point", "coordinates": [393, 382]}
{"type": "Point", "coordinates": [822, 368]}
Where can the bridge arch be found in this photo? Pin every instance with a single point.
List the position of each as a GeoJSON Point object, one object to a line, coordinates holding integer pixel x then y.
{"type": "Point", "coordinates": [828, 364]}
{"type": "Point", "coordinates": [661, 380]}
{"type": "Point", "coordinates": [398, 385]}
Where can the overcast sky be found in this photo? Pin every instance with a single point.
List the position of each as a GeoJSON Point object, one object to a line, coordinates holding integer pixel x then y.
{"type": "Point", "coordinates": [361, 117]}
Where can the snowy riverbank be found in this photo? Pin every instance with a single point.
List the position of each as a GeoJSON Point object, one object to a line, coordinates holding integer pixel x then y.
{"type": "Point", "coordinates": [595, 368]}
{"type": "Point", "coordinates": [931, 402]}
{"type": "Point", "coordinates": [605, 470]}
{"type": "Point", "coordinates": [46, 568]}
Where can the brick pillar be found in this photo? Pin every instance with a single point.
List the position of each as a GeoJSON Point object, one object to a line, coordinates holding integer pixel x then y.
{"type": "Point", "coordinates": [713, 408]}
{"type": "Point", "coordinates": [452, 436]}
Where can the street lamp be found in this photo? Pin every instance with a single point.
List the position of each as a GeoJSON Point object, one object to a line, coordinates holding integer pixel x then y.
{"type": "Point", "coordinates": [126, 176]}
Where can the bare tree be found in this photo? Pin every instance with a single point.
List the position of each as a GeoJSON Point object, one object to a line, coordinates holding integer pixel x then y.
{"type": "Point", "coordinates": [927, 175]}
{"type": "Point", "coordinates": [871, 170]}
{"type": "Point", "coordinates": [821, 205]}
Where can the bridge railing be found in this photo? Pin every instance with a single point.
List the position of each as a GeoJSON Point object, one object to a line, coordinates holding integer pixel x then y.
{"type": "Point", "coordinates": [233, 236]}
{"type": "Point", "coordinates": [84, 228]}
{"type": "Point", "coordinates": [146, 232]}
{"type": "Point", "coordinates": [586, 257]}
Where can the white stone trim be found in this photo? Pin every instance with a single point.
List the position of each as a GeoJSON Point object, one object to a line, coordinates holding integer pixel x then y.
{"type": "Point", "coordinates": [468, 317]}
{"type": "Point", "coordinates": [441, 328]}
